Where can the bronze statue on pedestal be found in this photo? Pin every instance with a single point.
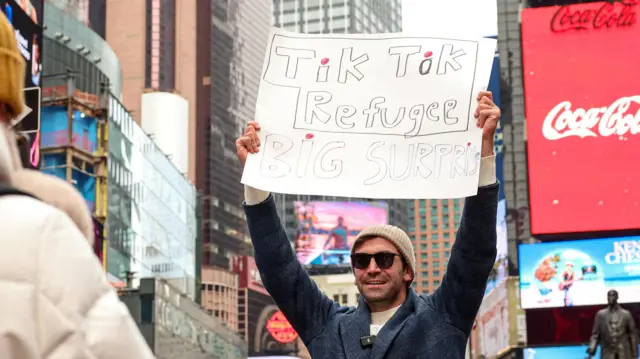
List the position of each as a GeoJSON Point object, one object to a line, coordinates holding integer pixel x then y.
{"type": "Point", "coordinates": [614, 329]}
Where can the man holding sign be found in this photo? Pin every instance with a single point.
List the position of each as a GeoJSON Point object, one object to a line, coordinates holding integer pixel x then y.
{"type": "Point", "coordinates": [391, 321]}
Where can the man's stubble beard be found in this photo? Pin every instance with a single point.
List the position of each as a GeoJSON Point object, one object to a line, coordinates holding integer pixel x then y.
{"type": "Point", "coordinates": [389, 295]}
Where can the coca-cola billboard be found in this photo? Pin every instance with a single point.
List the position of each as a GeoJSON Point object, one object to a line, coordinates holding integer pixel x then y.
{"type": "Point", "coordinates": [582, 101]}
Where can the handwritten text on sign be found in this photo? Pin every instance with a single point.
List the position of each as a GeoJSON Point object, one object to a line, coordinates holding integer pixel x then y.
{"type": "Point", "coordinates": [374, 116]}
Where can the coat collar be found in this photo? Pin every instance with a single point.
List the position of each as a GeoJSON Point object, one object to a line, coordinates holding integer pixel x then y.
{"type": "Point", "coordinates": [357, 325]}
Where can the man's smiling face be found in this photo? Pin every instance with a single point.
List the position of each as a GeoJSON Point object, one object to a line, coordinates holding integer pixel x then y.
{"type": "Point", "coordinates": [383, 285]}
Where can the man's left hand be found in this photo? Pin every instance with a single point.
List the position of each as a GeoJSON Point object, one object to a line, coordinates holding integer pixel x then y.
{"type": "Point", "coordinates": [487, 116]}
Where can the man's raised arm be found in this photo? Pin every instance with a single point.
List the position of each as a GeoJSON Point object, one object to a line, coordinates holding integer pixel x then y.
{"type": "Point", "coordinates": [474, 251]}
{"type": "Point", "coordinates": [472, 257]}
{"type": "Point", "coordinates": [295, 293]}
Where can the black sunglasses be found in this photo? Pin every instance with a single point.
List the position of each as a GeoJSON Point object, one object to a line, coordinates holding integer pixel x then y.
{"type": "Point", "coordinates": [384, 260]}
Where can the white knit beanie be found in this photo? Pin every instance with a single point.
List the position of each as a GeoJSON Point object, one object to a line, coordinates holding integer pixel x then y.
{"type": "Point", "coordinates": [394, 235]}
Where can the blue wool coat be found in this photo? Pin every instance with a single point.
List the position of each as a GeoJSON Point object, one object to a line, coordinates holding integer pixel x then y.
{"type": "Point", "coordinates": [434, 326]}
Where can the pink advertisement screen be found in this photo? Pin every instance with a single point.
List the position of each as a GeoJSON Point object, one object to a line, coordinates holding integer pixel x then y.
{"type": "Point", "coordinates": [326, 230]}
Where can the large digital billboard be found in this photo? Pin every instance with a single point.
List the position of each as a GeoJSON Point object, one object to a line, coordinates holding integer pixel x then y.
{"type": "Point", "coordinates": [575, 273]}
{"type": "Point", "coordinates": [24, 17]}
{"type": "Point", "coordinates": [582, 104]}
{"type": "Point", "coordinates": [326, 230]}
{"type": "Point", "coordinates": [560, 352]}
{"type": "Point", "coordinates": [55, 133]}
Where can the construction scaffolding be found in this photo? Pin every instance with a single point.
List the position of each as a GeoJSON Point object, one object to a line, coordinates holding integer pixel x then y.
{"type": "Point", "coordinates": [67, 147]}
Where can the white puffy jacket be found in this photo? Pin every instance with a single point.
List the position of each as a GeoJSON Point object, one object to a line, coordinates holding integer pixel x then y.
{"type": "Point", "coordinates": [55, 301]}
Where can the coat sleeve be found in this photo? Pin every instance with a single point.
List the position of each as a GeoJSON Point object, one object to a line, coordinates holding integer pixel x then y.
{"type": "Point", "coordinates": [72, 280]}
{"type": "Point", "coordinates": [286, 280]}
{"type": "Point", "coordinates": [472, 258]}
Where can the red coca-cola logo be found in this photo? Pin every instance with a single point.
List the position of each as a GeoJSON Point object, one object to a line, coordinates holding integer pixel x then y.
{"type": "Point", "coordinates": [618, 13]}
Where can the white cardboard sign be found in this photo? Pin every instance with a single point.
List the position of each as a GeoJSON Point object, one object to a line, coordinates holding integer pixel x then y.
{"type": "Point", "coordinates": [371, 116]}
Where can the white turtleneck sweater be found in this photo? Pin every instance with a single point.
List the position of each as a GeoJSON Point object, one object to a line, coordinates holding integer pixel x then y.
{"type": "Point", "coordinates": [255, 196]}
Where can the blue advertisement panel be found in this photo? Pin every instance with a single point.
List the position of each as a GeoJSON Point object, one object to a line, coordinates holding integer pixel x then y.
{"type": "Point", "coordinates": [575, 273]}
{"type": "Point", "coordinates": [569, 352]}
{"type": "Point", "coordinates": [54, 133]}
{"type": "Point", "coordinates": [326, 230]}
{"type": "Point", "coordinates": [500, 271]}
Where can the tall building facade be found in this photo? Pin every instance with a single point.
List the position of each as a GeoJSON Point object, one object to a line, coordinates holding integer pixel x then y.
{"type": "Point", "coordinates": [231, 42]}
{"type": "Point", "coordinates": [516, 185]}
{"type": "Point", "coordinates": [338, 16]}
{"type": "Point", "coordinates": [156, 43]}
{"type": "Point", "coordinates": [235, 34]}
{"type": "Point", "coordinates": [433, 231]}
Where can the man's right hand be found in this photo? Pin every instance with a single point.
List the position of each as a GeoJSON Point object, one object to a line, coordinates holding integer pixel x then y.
{"type": "Point", "coordinates": [249, 142]}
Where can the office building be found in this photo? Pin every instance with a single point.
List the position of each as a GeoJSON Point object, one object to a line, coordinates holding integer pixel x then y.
{"type": "Point", "coordinates": [135, 194]}
{"type": "Point", "coordinates": [515, 181]}
{"type": "Point", "coordinates": [235, 34]}
{"type": "Point", "coordinates": [151, 216]}
{"type": "Point", "coordinates": [155, 41]}
{"type": "Point", "coordinates": [211, 54]}
{"type": "Point", "coordinates": [219, 293]}
{"type": "Point", "coordinates": [338, 16]}
{"type": "Point", "coordinates": [433, 231]}
{"type": "Point", "coordinates": [231, 43]}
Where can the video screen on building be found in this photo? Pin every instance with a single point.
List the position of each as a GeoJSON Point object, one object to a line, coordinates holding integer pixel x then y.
{"type": "Point", "coordinates": [26, 17]}
{"type": "Point", "coordinates": [560, 352]}
{"type": "Point", "coordinates": [582, 110]}
{"type": "Point", "coordinates": [326, 230]}
{"type": "Point", "coordinates": [578, 273]}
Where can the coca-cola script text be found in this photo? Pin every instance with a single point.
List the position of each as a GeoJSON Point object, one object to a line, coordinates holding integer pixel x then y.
{"type": "Point", "coordinates": [617, 119]}
{"type": "Point", "coordinates": [607, 15]}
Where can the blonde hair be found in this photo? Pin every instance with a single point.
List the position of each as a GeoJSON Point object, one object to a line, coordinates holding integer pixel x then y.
{"type": "Point", "coordinates": [12, 70]}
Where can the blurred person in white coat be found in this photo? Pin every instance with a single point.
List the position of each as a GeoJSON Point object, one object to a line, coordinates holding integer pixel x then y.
{"type": "Point", "coordinates": [55, 301]}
